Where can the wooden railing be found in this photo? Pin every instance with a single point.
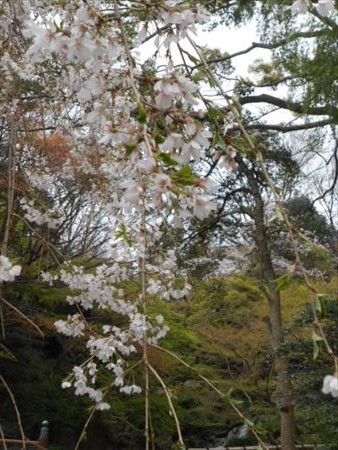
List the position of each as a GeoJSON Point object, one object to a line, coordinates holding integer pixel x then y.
{"type": "Point", "coordinates": [270, 447]}
{"type": "Point", "coordinates": [40, 444]}
{"type": "Point", "coordinates": [28, 443]}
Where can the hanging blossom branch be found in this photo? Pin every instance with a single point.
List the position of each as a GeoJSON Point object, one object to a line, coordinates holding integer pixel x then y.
{"type": "Point", "coordinates": [100, 76]}
{"type": "Point", "coordinates": [145, 140]}
{"type": "Point", "coordinates": [138, 138]}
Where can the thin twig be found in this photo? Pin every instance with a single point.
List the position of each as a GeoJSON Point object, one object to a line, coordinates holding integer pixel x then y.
{"type": "Point", "coordinates": [23, 316]}
{"type": "Point", "coordinates": [50, 245]}
{"type": "Point", "coordinates": [3, 438]}
{"type": "Point", "coordinates": [18, 416]}
{"type": "Point", "coordinates": [219, 392]}
{"type": "Point", "coordinates": [93, 411]}
{"type": "Point", "coordinates": [85, 427]}
{"type": "Point", "coordinates": [172, 409]}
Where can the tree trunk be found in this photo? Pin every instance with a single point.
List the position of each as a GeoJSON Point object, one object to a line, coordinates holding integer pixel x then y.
{"type": "Point", "coordinates": [275, 328]}
{"type": "Point", "coordinates": [284, 385]}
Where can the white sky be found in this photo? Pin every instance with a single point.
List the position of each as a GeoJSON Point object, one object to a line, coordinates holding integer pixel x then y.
{"type": "Point", "coordinates": [231, 40]}
{"type": "Point", "coordinates": [228, 39]}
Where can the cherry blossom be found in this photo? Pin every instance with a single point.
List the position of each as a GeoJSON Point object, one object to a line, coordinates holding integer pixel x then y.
{"type": "Point", "coordinates": [202, 206]}
{"type": "Point", "coordinates": [8, 271]}
{"type": "Point", "coordinates": [133, 389]}
{"type": "Point", "coordinates": [330, 385]}
{"type": "Point", "coordinates": [136, 140]}
{"type": "Point", "coordinates": [301, 6]}
{"type": "Point", "coordinates": [324, 7]}
{"type": "Point", "coordinates": [74, 326]}
{"type": "Point", "coordinates": [32, 214]}
{"type": "Point", "coordinates": [177, 86]}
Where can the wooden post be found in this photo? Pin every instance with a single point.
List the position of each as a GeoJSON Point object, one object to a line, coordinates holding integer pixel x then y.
{"type": "Point", "coordinates": [43, 437]}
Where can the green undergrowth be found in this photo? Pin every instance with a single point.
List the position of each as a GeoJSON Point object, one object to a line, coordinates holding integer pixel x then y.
{"type": "Point", "coordinates": [219, 331]}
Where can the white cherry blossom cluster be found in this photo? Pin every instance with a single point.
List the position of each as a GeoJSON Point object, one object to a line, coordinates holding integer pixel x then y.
{"type": "Point", "coordinates": [175, 87]}
{"type": "Point", "coordinates": [76, 38]}
{"type": "Point", "coordinates": [98, 288]}
{"type": "Point", "coordinates": [34, 215]}
{"type": "Point", "coordinates": [187, 145]}
{"type": "Point", "coordinates": [163, 278]}
{"type": "Point", "coordinates": [88, 78]}
{"type": "Point", "coordinates": [82, 378]}
{"type": "Point", "coordinates": [323, 7]}
{"type": "Point", "coordinates": [330, 385]}
{"type": "Point", "coordinates": [180, 21]}
{"type": "Point", "coordinates": [73, 326]}
{"type": "Point", "coordinates": [8, 271]}
{"type": "Point", "coordinates": [110, 348]}
{"type": "Point", "coordinates": [41, 180]}
{"type": "Point", "coordinates": [182, 17]}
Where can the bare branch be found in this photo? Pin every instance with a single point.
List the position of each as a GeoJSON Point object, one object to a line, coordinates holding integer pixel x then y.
{"type": "Point", "coordinates": [289, 104]}
{"type": "Point", "coordinates": [289, 128]}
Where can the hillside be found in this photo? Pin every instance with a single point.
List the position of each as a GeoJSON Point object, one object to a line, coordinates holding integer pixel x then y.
{"type": "Point", "coordinates": [219, 331]}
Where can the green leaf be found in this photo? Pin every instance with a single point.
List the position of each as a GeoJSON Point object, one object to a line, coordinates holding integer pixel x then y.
{"type": "Point", "coordinates": [237, 105]}
{"type": "Point", "coordinates": [193, 59]}
{"type": "Point", "coordinates": [166, 159]}
{"type": "Point", "coordinates": [184, 176]}
{"type": "Point", "coordinates": [304, 239]}
{"type": "Point", "coordinates": [122, 233]}
{"type": "Point", "coordinates": [284, 281]}
{"type": "Point", "coordinates": [178, 446]}
{"type": "Point", "coordinates": [316, 339]}
{"type": "Point", "coordinates": [159, 139]}
{"type": "Point", "coordinates": [320, 306]}
{"type": "Point", "coordinates": [218, 141]}
{"type": "Point", "coordinates": [277, 217]}
{"type": "Point", "coordinates": [83, 437]}
{"type": "Point", "coordinates": [141, 113]}
{"type": "Point", "coordinates": [260, 159]}
{"type": "Point", "coordinates": [315, 350]}
{"type": "Point", "coordinates": [230, 391]}
{"type": "Point", "coordinates": [6, 354]}
{"type": "Point", "coordinates": [130, 148]}
{"type": "Point", "coordinates": [211, 80]}
{"type": "Point", "coordinates": [241, 146]}
{"type": "Point", "coordinates": [249, 423]}
{"type": "Point", "coordinates": [214, 114]}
